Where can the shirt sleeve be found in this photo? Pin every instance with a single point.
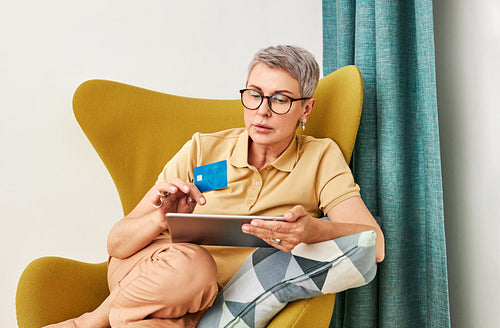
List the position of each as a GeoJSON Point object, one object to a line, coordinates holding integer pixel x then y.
{"type": "Point", "coordinates": [335, 180]}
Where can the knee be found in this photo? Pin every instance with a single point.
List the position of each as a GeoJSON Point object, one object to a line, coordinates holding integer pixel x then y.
{"type": "Point", "coordinates": [189, 267]}
{"type": "Point", "coordinates": [171, 281]}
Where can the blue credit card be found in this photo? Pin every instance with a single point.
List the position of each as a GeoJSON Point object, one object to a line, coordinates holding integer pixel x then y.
{"type": "Point", "coordinates": [211, 176]}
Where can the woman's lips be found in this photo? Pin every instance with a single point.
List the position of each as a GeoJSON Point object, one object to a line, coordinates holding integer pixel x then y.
{"type": "Point", "coordinates": [262, 128]}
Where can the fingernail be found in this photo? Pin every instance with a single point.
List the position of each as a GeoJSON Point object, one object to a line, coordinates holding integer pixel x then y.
{"type": "Point", "coordinates": [185, 188]}
{"type": "Point", "coordinates": [288, 216]}
{"type": "Point", "coordinates": [202, 200]}
{"type": "Point", "coordinates": [173, 188]}
{"type": "Point", "coordinates": [245, 228]}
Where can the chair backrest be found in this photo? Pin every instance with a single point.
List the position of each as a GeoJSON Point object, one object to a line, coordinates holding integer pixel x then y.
{"type": "Point", "coordinates": [136, 131]}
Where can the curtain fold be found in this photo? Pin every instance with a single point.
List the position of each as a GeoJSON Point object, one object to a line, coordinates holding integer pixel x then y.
{"type": "Point", "coordinates": [396, 160]}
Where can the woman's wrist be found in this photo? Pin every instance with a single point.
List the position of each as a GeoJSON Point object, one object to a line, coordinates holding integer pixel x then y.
{"type": "Point", "coordinates": [317, 230]}
{"type": "Point", "coordinates": [159, 220]}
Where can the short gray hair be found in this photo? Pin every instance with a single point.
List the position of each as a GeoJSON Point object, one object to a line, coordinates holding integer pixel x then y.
{"type": "Point", "coordinates": [297, 61]}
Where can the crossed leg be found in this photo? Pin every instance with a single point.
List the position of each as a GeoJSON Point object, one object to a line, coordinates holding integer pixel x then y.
{"type": "Point", "coordinates": [162, 285]}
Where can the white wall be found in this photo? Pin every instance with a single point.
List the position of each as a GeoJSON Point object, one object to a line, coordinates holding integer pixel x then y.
{"type": "Point", "coordinates": [56, 196]}
{"type": "Point", "coordinates": [468, 71]}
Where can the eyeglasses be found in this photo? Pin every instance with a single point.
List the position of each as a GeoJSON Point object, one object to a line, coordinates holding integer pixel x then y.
{"type": "Point", "coordinates": [278, 103]}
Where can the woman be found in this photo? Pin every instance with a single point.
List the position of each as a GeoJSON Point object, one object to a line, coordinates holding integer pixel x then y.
{"type": "Point", "coordinates": [271, 171]}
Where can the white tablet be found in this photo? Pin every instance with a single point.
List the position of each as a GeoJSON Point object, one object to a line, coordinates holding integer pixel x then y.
{"type": "Point", "coordinates": [214, 229]}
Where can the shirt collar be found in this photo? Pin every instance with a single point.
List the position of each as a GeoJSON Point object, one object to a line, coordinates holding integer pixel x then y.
{"type": "Point", "coordinates": [240, 153]}
{"type": "Point", "coordinates": [285, 162]}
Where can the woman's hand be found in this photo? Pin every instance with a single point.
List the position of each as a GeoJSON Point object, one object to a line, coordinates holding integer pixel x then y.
{"type": "Point", "coordinates": [147, 220]}
{"type": "Point", "coordinates": [283, 235]}
{"type": "Point", "coordinates": [175, 197]}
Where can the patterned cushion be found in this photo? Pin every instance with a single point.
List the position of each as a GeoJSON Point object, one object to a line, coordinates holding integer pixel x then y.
{"type": "Point", "coordinates": [270, 278]}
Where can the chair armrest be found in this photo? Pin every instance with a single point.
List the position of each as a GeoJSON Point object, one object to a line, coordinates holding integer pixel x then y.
{"type": "Point", "coordinates": [53, 289]}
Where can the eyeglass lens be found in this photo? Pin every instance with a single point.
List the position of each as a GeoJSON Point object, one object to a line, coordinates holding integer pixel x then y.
{"type": "Point", "coordinates": [279, 103]}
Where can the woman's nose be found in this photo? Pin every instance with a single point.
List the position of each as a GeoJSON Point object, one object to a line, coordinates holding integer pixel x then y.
{"type": "Point", "coordinates": [264, 109]}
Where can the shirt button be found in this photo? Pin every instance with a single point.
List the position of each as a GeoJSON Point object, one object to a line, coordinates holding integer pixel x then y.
{"type": "Point", "coordinates": [249, 201]}
{"type": "Point", "coordinates": [257, 183]}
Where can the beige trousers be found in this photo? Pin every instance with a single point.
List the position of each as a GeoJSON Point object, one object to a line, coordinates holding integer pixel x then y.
{"type": "Point", "coordinates": [162, 285]}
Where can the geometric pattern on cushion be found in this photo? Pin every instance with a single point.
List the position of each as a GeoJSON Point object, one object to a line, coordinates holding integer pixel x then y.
{"type": "Point", "coordinates": [270, 278]}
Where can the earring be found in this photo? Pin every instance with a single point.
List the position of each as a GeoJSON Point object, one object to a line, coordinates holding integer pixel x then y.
{"type": "Point", "coordinates": [303, 124]}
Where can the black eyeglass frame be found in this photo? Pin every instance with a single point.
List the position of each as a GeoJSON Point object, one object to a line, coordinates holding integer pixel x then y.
{"type": "Point", "coordinates": [269, 101]}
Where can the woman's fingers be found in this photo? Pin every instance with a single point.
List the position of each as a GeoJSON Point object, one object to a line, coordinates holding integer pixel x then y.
{"type": "Point", "coordinates": [279, 234]}
{"type": "Point", "coordinates": [295, 213]}
{"type": "Point", "coordinates": [195, 195]}
{"type": "Point", "coordinates": [273, 238]}
{"type": "Point", "coordinates": [178, 196]}
{"type": "Point", "coordinates": [284, 235]}
{"type": "Point", "coordinates": [188, 189]}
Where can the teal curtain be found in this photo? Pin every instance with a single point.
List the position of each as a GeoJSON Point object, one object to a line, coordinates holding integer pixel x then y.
{"type": "Point", "coordinates": [397, 158]}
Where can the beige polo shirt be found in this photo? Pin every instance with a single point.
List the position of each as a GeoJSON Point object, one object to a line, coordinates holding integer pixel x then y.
{"type": "Point", "coordinates": [311, 172]}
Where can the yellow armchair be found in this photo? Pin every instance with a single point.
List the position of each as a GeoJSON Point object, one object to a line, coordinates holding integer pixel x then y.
{"type": "Point", "coordinates": [135, 132]}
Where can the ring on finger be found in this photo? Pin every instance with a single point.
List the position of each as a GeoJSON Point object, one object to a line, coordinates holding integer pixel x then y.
{"type": "Point", "coordinates": [192, 201]}
{"type": "Point", "coordinates": [159, 205]}
{"type": "Point", "coordinates": [275, 241]}
{"type": "Point", "coordinates": [163, 194]}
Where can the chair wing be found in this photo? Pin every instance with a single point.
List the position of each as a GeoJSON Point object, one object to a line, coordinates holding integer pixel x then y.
{"type": "Point", "coordinates": [336, 115]}
{"type": "Point", "coordinates": [136, 131]}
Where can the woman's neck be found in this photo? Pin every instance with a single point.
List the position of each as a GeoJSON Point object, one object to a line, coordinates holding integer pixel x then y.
{"type": "Point", "coordinates": [260, 155]}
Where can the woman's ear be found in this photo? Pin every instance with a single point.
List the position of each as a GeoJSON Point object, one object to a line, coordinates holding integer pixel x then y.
{"type": "Point", "coordinates": [308, 107]}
